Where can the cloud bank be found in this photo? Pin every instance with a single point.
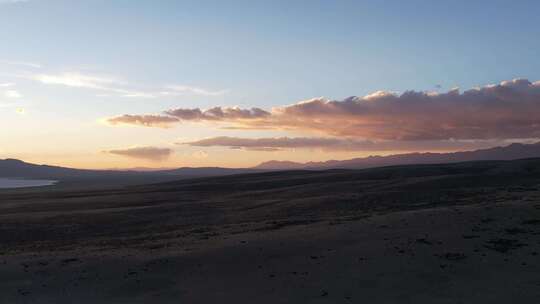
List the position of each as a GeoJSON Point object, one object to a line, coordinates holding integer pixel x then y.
{"type": "Point", "coordinates": [219, 114]}
{"type": "Point", "coordinates": [507, 110]}
{"type": "Point", "coordinates": [146, 153]}
{"type": "Point", "coordinates": [169, 117]}
{"type": "Point", "coordinates": [159, 121]}
{"type": "Point", "coordinates": [336, 144]}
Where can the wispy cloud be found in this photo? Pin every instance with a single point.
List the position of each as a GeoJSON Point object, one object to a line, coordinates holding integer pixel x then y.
{"type": "Point", "coordinates": [79, 80]}
{"type": "Point", "coordinates": [6, 84]}
{"type": "Point", "coordinates": [12, 94]}
{"type": "Point", "coordinates": [12, 1]}
{"type": "Point", "coordinates": [177, 90]}
{"type": "Point", "coordinates": [21, 63]}
{"type": "Point", "coordinates": [105, 83]}
{"type": "Point", "coordinates": [199, 155]}
{"type": "Point", "coordinates": [146, 153]}
{"type": "Point", "coordinates": [114, 86]}
{"type": "Point", "coordinates": [510, 109]}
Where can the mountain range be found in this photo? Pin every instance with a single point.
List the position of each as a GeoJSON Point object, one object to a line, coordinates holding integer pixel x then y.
{"type": "Point", "coordinates": [19, 169]}
{"type": "Point", "coordinates": [14, 168]}
{"type": "Point", "coordinates": [510, 152]}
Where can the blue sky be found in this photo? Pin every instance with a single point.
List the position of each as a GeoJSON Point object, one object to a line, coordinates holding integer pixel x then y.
{"type": "Point", "coordinates": [257, 53]}
{"type": "Point", "coordinates": [278, 51]}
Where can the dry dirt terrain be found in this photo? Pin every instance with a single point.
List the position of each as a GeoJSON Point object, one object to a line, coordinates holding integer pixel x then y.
{"type": "Point", "coordinates": [459, 233]}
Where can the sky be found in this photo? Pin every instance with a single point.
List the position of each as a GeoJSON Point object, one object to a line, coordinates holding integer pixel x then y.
{"type": "Point", "coordinates": [123, 83]}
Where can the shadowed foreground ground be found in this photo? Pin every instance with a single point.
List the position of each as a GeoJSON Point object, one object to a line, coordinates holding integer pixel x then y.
{"type": "Point", "coordinates": [461, 233]}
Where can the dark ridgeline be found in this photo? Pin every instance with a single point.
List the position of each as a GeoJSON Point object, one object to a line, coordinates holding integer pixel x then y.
{"type": "Point", "coordinates": [511, 152]}
{"type": "Point", "coordinates": [20, 169]}
{"type": "Point", "coordinates": [13, 168]}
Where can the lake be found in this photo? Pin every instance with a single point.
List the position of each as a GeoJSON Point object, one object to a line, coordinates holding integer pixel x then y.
{"type": "Point", "coordinates": [9, 183]}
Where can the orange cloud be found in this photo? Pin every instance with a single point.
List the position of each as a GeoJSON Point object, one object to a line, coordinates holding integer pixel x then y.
{"type": "Point", "coordinates": [336, 144]}
{"type": "Point", "coordinates": [144, 120]}
{"type": "Point", "coordinates": [507, 110]}
{"type": "Point", "coordinates": [218, 114]}
{"type": "Point", "coordinates": [147, 153]}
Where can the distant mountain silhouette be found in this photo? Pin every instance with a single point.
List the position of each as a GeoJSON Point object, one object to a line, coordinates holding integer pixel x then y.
{"type": "Point", "coordinates": [206, 171]}
{"type": "Point", "coordinates": [510, 152]}
{"type": "Point", "coordinates": [19, 169]}
{"type": "Point", "coordinates": [282, 164]}
{"type": "Point", "coordinates": [15, 168]}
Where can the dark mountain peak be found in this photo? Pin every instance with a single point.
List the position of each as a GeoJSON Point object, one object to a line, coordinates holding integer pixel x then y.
{"type": "Point", "coordinates": [515, 145]}
{"type": "Point", "coordinates": [12, 161]}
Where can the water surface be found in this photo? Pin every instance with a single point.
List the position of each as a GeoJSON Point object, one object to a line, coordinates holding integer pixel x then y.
{"type": "Point", "coordinates": [9, 183]}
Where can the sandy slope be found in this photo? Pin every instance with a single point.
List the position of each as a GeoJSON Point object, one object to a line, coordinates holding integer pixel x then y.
{"type": "Point", "coordinates": [444, 255]}
{"type": "Point", "coordinates": [477, 245]}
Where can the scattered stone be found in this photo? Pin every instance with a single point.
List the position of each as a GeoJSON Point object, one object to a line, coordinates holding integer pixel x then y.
{"type": "Point", "coordinates": [513, 231]}
{"type": "Point", "coordinates": [531, 222]}
{"type": "Point", "coordinates": [503, 245]}
{"type": "Point", "coordinates": [70, 260]}
{"type": "Point", "coordinates": [451, 256]}
{"type": "Point", "coordinates": [424, 241]}
{"type": "Point", "coordinates": [23, 292]}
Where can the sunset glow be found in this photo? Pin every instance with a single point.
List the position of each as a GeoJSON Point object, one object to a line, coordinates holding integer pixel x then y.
{"type": "Point", "coordinates": [108, 86]}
